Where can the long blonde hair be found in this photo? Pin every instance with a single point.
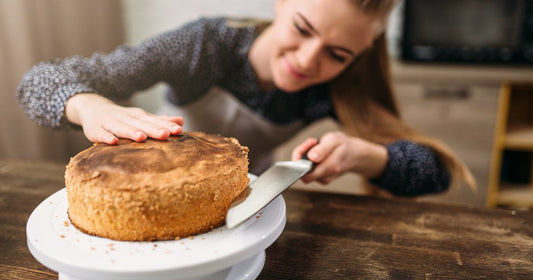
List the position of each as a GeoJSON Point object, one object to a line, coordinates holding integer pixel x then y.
{"type": "Point", "coordinates": [364, 100]}
{"type": "Point", "coordinates": [366, 107]}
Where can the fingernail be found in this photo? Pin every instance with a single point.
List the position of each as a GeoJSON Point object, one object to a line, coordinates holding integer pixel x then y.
{"type": "Point", "coordinates": [174, 129]}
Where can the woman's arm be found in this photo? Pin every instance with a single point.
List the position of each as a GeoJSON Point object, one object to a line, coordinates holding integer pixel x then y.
{"type": "Point", "coordinates": [412, 170]}
{"type": "Point", "coordinates": [403, 167]}
{"type": "Point", "coordinates": [178, 57]}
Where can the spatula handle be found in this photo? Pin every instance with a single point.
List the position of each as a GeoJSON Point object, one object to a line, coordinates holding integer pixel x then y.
{"type": "Point", "coordinates": [304, 155]}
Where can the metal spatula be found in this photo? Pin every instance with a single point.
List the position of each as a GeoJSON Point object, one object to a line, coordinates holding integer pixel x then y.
{"type": "Point", "coordinates": [265, 188]}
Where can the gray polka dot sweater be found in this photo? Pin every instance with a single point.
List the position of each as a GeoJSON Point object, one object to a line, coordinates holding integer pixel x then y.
{"type": "Point", "coordinates": [191, 59]}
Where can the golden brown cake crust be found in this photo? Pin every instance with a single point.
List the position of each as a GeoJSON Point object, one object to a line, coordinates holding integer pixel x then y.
{"type": "Point", "coordinates": [155, 190]}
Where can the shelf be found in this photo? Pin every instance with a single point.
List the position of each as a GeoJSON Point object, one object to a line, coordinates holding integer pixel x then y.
{"type": "Point", "coordinates": [519, 139]}
{"type": "Point", "coordinates": [520, 196]}
{"type": "Point", "coordinates": [513, 132]}
{"type": "Point", "coordinates": [449, 73]}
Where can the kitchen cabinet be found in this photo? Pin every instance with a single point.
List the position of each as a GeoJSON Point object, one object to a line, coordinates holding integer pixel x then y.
{"type": "Point", "coordinates": [460, 105]}
{"type": "Point", "coordinates": [460, 115]}
{"type": "Point", "coordinates": [510, 177]}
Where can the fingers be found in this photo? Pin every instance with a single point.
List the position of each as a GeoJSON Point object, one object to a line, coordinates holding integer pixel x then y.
{"type": "Point", "coordinates": [110, 131]}
{"type": "Point", "coordinates": [325, 171]}
{"type": "Point", "coordinates": [172, 123]}
{"type": "Point", "coordinates": [100, 135]}
{"type": "Point", "coordinates": [136, 124]}
{"type": "Point", "coordinates": [140, 125]}
{"type": "Point", "coordinates": [329, 154]}
{"type": "Point", "coordinates": [152, 126]}
{"type": "Point", "coordinates": [174, 119]}
{"type": "Point", "coordinates": [121, 129]}
{"type": "Point", "coordinates": [298, 152]}
{"type": "Point", "coordinates": [105, 121]}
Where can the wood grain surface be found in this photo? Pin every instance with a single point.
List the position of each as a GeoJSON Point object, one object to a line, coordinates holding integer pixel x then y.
{"type": "Point", "coordinates": [331, 236]}
{"type": "Point", "coordinates": [327, 236]}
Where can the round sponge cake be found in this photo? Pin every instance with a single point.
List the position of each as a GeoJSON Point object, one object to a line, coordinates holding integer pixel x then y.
{"type": "Point", "coordinates": [155, 190]}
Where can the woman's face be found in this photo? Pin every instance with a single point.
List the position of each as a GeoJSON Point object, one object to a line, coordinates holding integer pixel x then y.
{"type": "Point", "coordinates": [313, 41]}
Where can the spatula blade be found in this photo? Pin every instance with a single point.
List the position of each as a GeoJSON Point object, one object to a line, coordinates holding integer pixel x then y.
{"type": "Point", "coordinates": [265, 188]}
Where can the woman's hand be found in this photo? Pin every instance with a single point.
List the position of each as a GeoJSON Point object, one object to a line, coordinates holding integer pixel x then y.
{"type": "Point", "coordinates": [337, 153]}
{"type": "Point", "coordinates": [104, 121]}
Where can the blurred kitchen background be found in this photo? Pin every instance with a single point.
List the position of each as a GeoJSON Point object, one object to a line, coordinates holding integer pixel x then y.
{"type": "Point", "coordinates": [462, 71]}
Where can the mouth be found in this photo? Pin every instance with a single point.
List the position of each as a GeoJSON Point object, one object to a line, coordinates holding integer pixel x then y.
{"type": "Point", "coordinates": [293, 71]}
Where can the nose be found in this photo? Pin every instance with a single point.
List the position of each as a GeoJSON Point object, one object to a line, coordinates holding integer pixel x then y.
{"type": "Point", "coordinates": [308, 55]}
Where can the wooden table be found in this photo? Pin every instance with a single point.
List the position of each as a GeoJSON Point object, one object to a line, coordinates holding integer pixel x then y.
{"type": "Point", "coordinates": [327, 236]}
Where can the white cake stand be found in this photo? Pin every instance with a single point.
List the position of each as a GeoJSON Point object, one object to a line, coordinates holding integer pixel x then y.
{"type": "Point", "coordinates": [222, 253]}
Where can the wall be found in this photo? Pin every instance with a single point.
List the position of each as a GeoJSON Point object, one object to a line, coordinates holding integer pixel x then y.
{"type": "Point", "coordinates": [33, 31]}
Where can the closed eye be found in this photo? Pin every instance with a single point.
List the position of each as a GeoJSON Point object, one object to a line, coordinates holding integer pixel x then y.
{"type": "Point", "coordinates": [337, 57]}
{"type": "Point", "coordinates": [302, 30]}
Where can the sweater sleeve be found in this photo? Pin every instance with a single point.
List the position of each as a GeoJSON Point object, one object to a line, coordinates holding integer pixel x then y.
{"type": "Point", "coordinates": [176, 57]}
{"type": "Point", "coordinates": [412, 170]}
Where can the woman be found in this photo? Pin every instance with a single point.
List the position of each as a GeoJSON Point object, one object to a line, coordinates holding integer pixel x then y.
{"type": "Point", "coordinates": [260, 83]}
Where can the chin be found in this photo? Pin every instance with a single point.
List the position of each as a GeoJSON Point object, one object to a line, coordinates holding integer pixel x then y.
{"type": "Point", "coordinates": [289, 89]}
{"type": "Point", "coordinates": [289, 86]}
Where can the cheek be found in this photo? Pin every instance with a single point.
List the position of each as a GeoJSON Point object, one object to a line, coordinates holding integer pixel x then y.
{"type": "Point", "coordinates": [330, 69]}
{"type": "Point", "coordinates": [283, 39]}
{"type": "Point", "coordinates": [282, 46]}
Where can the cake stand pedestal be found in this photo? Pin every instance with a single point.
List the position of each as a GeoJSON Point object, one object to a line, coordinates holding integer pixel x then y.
{"type": "Point", "coordinates": [222, 253]}
{"type": "Point", "coordinates": [246, 270]}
